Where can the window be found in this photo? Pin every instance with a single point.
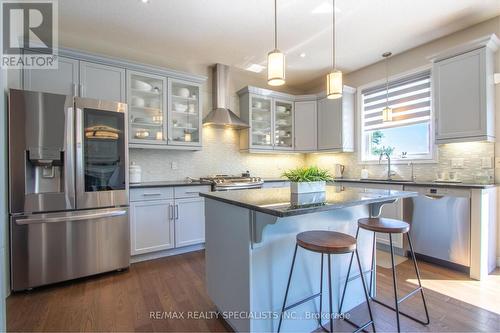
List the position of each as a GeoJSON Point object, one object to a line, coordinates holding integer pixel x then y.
{"type": "Point", "coordinates": [409, 133]}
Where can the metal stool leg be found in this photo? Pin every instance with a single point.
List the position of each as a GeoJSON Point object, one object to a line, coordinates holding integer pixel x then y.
{"type": "Point", "coordinates": [287, 287]}
{"type": "Point", "coordinates": [366, 298]}
{"type": "Point", "coordinates": [330, 291]}
{"type": "Point", "coordinates": [321, 294]}
{"type": "Point", "coordinates": [347, 277]}
{"type": "Point", "coordinates": [394, 282]}
{"type": "Point", "coordinates": [418, 278]}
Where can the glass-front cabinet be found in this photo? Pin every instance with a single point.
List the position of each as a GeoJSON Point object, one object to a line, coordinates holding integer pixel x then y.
{"type": "Point", "coordinates": [261, 122]}
{"type": "Point", "coordinates": [283, 124]}
{"type": "Point", "coordinates": [271, 120]}
{"type": "Point", "coordinates": [184, 123]}
{"type": "Point", "coordinates": [147, 108]}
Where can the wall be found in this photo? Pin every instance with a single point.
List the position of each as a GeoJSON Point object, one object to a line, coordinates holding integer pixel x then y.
{"type": "Point", "coordinates": [407, 61]}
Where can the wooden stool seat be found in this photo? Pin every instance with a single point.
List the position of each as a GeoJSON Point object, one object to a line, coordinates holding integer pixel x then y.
{"type": "Point", "coordinates": [389, 226]}
{"type": "Point", "coordinates": [325, 241]}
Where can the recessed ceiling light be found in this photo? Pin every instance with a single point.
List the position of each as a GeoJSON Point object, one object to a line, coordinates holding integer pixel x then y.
{"type": "Point", "coordinates": [325, 8]}
{"type": "Point", "coordinates": [302, 55]}
{"type": "Point", "coordinates": [256, 68]}
{"type": "Point", "coordinates": [144, 1]}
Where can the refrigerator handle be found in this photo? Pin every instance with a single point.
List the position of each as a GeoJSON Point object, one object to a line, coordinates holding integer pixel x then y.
{"type": "Point", "coordinates": [90, 216]}
{"type": "Point", "coordinates": [69, 157]}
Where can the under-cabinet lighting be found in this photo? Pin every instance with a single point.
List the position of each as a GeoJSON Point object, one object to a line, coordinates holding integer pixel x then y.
{"type": "Point", "coordinates": [497, 78]}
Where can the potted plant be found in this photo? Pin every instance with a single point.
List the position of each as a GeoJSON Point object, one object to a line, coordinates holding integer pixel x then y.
{"type": "Point", "coordinates": [308, 179]}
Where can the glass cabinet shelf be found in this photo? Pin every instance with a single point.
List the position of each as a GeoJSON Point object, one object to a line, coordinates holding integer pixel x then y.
{"type": "Point", "coordinates": [185, 118]}
{"type": "Point", "coordinates": [146, 100]}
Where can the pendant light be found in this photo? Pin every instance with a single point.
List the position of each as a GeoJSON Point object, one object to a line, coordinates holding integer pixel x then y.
{"type": "Point", "coordinates": [387, 111]}
{"type": "Point", "coordinates": [334, 78]}
{"type": "Point", "coordinates": [275, 59]}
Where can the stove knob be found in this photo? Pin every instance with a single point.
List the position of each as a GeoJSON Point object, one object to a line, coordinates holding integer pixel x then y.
{"type": "Point", "coordinates": [258, 179]}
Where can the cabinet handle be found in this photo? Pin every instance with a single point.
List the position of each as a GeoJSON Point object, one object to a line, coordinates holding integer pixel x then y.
{"type": "Point", "coordinates": [75, 92]}
{"type": "Point", "coordinates": [151, 194]}
{"type": "Point", "coordinates": [170, 212]}
{"type": "Point", "coordinates": [176, 212]}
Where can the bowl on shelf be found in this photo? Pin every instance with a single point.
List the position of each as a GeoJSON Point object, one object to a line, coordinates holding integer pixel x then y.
{"type": "Point", "coordinates": [179, 107]}
{"type": "Point", "coordinates": [183, 92]}
{"type": "Point", "coordinates": [138, 101]}
{"type": "Point", "coordinates": [141, 85]}
{"type": "Point", "coordinates": [281, 108]}
{"type": "Point", "coordinates": [154, 103]}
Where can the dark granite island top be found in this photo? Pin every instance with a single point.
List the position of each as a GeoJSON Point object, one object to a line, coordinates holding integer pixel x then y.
{"type": "Point", "coordinates": [281, 203]}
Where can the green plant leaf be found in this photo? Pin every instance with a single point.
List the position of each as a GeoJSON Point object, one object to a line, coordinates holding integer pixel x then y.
{"type": "Point", "coordinates": [307, 174]}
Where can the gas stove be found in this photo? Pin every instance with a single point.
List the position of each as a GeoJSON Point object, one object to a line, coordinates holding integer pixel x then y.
{"type": "Point", "coordinates": [228, 183]}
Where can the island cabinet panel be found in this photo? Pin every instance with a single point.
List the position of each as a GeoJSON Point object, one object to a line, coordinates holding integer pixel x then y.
{"type": "Point", "coordinates": [62, 80]}
{"type": "Point", "coordinates": [189, 221]}
{"type": "Point", "coordinates": [152, 226]}
{"type": "Point", "coordinates": [463, 92]}
{"type": "Point", "coordinates": [306, 136]}
{"type": "Point", "coordinates": [102, 82]}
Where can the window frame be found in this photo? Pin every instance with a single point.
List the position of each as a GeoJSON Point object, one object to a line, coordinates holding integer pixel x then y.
{"type": "Point", "coordinates": [431, 157]}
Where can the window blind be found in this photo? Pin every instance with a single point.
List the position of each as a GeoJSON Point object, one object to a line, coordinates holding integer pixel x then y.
{"type": "Point", "coordinates": [409, 98]}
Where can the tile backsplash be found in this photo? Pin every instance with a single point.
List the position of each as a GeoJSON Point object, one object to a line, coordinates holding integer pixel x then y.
{"type": "Point", "coordinates": [220, 154]}
{"type": "Point", "coordinates": [472, 154]}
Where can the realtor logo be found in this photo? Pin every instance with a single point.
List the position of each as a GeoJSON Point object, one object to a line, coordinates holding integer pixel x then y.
{"type": "Point", "coordinates": [29, 34]}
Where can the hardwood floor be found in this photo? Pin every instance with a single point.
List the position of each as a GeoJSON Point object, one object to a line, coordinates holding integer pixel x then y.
{"type": "Point", "coordinates": [124, 301]}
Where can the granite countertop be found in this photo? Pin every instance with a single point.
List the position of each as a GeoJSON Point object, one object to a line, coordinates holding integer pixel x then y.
{"type": "Point", "coordinates": [280, 202]}
{"type": "Point", "coordinates": [417, 183]}
{"type": "Point", "coordinates": [168, 183]}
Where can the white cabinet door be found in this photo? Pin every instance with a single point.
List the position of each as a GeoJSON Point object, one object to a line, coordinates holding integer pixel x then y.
{"type": "Point", "coordinates": [189, 221]}
{"type": "Point", "coordinates": [306, 136]}
{"type": "Point", "coordinates": [63, 80]}
{"type": "Point", "coordinates": [330, 124]}
{"type": "Point", "coordinates": [151, 226]}
{"type": "Point", "coordinates": [102, 82]}
{"type": "Point", "coordinates": [460, 96]}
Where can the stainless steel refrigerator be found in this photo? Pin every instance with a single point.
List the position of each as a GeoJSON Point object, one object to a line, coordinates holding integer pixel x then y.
{"type": "Point", "coordinates": [68, 187]}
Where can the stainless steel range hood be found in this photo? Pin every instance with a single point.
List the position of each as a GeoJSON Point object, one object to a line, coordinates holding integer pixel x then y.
{"type": "Point", "coordinates": [221, 115]}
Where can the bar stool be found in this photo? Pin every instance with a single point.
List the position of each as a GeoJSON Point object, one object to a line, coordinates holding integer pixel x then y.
{"type": "Point", "coordinates": [326, 243]}
{"type": "Point", "coordinates": [389, 226]}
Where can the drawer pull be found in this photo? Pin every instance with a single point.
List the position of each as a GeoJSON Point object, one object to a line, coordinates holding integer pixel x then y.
{"type": "Point", "coordinates": [151, 194]}
{"type": "Point", "coordinates": [192, 192]}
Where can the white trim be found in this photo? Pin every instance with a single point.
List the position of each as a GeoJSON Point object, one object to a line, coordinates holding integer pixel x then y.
{"type": "Point", "coordinates": [166, 253]}
{"type": "Point", "coordinates": [490, 41]}
{"type": "Point", "coordinates": [359, 131]}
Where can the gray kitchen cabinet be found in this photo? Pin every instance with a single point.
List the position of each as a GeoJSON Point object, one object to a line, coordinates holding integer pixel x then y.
{"type": "Point", "coordinates": [163, 218]}
{"type": "Point", "coordinates": [336, 123]}
{"type": "Point", "coordinates": [62, 80]}
{"type": "Point", "coordinates": [102, 82]}
{"type": "Point", "coordinates": [306, 124]}
{"type": "Point", "coordinates": [189, 221]}
{"type": "Point", "coordinates": [151, 226]}
{"type": "Point", "coordinates": [270, 115]}
{"type": "Point", "coordinates": [463, 91]}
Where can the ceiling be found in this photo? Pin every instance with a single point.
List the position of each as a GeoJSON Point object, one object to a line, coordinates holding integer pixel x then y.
{"type": "Point", "coordinates": [240, 32]}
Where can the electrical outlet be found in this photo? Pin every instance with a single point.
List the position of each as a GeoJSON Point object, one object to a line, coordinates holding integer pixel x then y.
{"type": "Point", "coordinates": [486, 163]}
{"type": "Point", "coordinates": [457, 163]}
{"type": "Point", "coordinates": [174, 166]}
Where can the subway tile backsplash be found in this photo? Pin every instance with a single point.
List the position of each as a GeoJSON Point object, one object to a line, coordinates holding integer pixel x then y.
{"type": "Point", "coordinates": [220, 154]}
{"type": "Point", "coordinates": [472, 154]}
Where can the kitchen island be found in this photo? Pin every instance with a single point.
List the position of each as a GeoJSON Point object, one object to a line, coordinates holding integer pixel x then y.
{"type": "Point", "coordinates": [250, 238]}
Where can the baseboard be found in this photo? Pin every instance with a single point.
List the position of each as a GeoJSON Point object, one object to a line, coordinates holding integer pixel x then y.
{"type": "Point", "coordinates": [166, 253]}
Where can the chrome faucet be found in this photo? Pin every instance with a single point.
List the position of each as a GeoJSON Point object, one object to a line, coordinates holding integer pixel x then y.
{"type": "Point", "coordinates": [388, 156]}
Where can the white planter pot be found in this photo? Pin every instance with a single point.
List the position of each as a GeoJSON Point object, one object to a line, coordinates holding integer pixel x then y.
{"type": "Point", "coordinates": [307, 187]}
